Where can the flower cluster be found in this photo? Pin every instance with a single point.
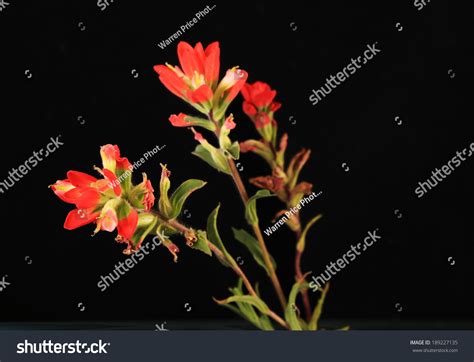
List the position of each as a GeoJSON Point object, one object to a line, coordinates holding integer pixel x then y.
{"type": "Point", "coordinates": [112, 202]}
{"type": "Point", "coordinates": [259, 106]}
{"type": "Point", "coordinates": [107, 202]}
{"type": "Point", "coordinates": [197, 81]}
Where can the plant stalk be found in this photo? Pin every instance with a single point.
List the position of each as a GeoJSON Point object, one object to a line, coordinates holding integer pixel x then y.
{"type": "Point", "coordinates": [256, 228]}
{"type": "Point", "coordinates": [186, 231]}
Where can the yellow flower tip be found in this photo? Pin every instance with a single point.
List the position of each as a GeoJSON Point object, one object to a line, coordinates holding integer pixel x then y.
{"type": "Point", "coordinates": [170, 66]}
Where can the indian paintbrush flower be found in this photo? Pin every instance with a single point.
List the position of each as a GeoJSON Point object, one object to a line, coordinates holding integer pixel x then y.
{"type": "Point", "coordinates": [113, 202]}
{"type": "Point", "coordinates": [109, 202]}
{"type": "Point", "coordinates": [196, 81]}
{"type": "Point", "coordinates": [259, 106]}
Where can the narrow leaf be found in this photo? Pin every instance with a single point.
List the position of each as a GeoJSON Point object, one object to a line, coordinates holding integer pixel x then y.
{"type": "Point", "coordinates": [146, 223]}
{"type": "Point", "coordinates": [200, 122]}
{"type": "Point", "coordinates": [234, 150]}
{"type": "Point", "coordinates": [249, 299]}
{"type": "Point", "coordinates": [214, 237]}
{"type": "Point", "coordinates": [252, 245]}
{"type": "Point", "coordinates": [251, 207]}
{"type": "Point", "coordinates": [164, 204]}
{"type": "Point", "coordinates": [219, 162]}
{"type": "Point", "coordinates": [302, 240]}
{"type": "Point", "coordinates": [290, 312]}
{"type": "Point", "coordinates": [313, 323]}
{"type": "Point", "coordinates": [182, 193]}
{"type": "Point", "coordinates": [202, 243]}
{"type": "Point", "coordinates": [266, 323]}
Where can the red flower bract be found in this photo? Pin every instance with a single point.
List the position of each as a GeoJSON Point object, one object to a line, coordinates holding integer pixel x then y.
{"type": "Point", "coordinates": [198, 75]}
{"type": "Point", "coordinates": [179, 120]}
{"type": "Point", "coordinates": [101, 200]}
{"type": "Point", "coordinates": [260, 96]}
{"type": "Point", "coordinates": [196, 81]}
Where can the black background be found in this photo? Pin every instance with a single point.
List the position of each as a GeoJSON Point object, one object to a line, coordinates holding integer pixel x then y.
{"type": "Point", "coordinates": [88, 73]}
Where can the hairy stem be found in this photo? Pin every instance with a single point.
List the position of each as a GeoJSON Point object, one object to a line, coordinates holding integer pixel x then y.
{"type": "Point", "coordinates": [256, 228]}
{"type": "Point", "coordinates": [298, 254]}
{"type": "Point", "coordinates": [269, 265]}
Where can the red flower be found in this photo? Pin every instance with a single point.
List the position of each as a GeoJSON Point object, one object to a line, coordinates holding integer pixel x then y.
{"type": "Point", "coordinates": [229, 122]}
{"type": "Point", "coordinates": [259, 95]}
{"type": "Point", "coordinates": [99, 201]}
{"type": "Point", "coordinates": [272, 183]}
{"type": "Point", "coordinates": [196, 79]}
{"type": "Point", "coordinates": [258, 103]}
{"type": "Point", "coordinates": [79, 217]}
{"type": "Point", "coordinates": [84, 191]}
{"type": "Point", "coordinates": [179, 120]}
{"type": "Point", "coordinates": [127, 225]}
{"type": "Point", "coordinates": [112, 161]}
{"type": "Point", "coordinates": [149, 198]}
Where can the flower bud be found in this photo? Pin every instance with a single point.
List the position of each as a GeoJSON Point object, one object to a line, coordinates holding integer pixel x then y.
{"type": "Point", "coordinates": [164, 204]}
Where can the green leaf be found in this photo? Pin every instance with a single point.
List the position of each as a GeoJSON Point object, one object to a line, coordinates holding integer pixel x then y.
{"type": "Point", "coordinates": [237, 311]}
{"type": "Point", "coordinates": [146, 223]}
{"type": "Point", "coordinates": [122, 208]}
{"type": "Point", "coordinates": [234, 150]}
{"type": "Point", "coordinates": [164, 204]}
{"type": "Point", "coordinates": [265, 321]}
{"type": "Point", "coordinates": [300, 246]}
{"type": "Point", "coordinates": [313, 323]}
{"type": "Point", "coordinates": [290, 313]}
{"type": "Point", "coordinates": [200, 122]}
{"type": "Point", "coordinates": [247, 299]}
{"type": "Point", "coordinates": [182, 193]}
{"type": "Point", "coordinates": [125, 177]}
{"type": "Point", "coordinates": [246, 309]}
{"type": "Point", "coordinates": [215, 159]}
{"type": "Point", "coordinates": [214, 237]}
{"type": "Point", "coordinates": [251, 207]}
{"type": "Point", "coordinates": [202, 243]}
{"type": "Point", "coordinates": [252, 245]}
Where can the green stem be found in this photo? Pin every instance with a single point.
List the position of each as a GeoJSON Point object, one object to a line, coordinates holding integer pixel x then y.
{"type": "Point", "coordinates": [256, 228]}
{"type": "Point", "coordinates": [187, 232]}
